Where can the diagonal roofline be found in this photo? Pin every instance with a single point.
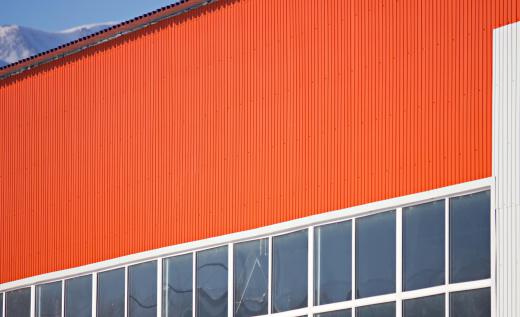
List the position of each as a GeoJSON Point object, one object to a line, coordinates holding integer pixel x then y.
{"type": "Point", "coordinates": [101, 37]}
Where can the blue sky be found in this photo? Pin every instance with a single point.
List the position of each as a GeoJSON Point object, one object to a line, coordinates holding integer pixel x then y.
{"type": "Point", "coordinates": [55, 15]}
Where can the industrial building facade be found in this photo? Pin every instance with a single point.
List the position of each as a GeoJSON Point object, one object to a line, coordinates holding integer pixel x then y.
{"type": "Point", "coordinates": [264, 157]}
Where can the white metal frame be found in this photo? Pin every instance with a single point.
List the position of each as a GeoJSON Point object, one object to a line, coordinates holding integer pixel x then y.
{"type": "Point", "coordinates": [283, 228]}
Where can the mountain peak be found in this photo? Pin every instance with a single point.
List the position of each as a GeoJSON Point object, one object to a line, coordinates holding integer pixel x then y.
{"type": "Point", "coordinates": [19, 42]}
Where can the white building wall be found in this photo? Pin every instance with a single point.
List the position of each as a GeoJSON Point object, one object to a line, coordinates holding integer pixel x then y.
{"type": "Point", "coordinates": [506, 167]}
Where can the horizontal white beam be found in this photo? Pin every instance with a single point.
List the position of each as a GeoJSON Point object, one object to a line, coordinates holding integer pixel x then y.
{"type": "Point", "coordinates": [338, 215]}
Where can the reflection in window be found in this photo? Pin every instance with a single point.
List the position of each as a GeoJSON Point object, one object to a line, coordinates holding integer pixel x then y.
{"type": "Point", "coordinates": [290, 267]}
{"type": "Point", "coordinates": [333, 263]}
{"type": "Point", "coordinates": [470, 237]}
{"type": "Point", "coordinates": [78, 297]}
{"type": "Point", "coordinates": [336, 313]}
{"type": "Point", "coordinates": [142, 290]}
{"type": "Point", "coordinates": [212, 286]}
{"type": "Point", "coordinates": [431, 306]}
{"type": "Point", "coordinates": [375, 254]}
{"type": "Point", "coordinates": [177, 286]}
{"type": "Point", "coordinates": [378, 310]}
{"type": "Point", "coordinates": [48, 300]}
{"type": "Point", "coordinates": [111, 293]}
{"type": "Point", "coordinates": [423, 245]}
{"type": "Point", "coordinates": [474, 303]}
{"type": "Point", "coordinates": [251, 278]}
{"type": "Point", "coordinates": [18, 303]}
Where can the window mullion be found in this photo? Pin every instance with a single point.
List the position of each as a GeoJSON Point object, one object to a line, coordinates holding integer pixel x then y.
{"type": "Point", "coordinates": [399, 260]}
{"type": "Point", "coordinates": [269, 274]}
{"type": "Point", "coordinates": [63, 298]}
{"type": "Point", "coordinates": [94, 294]}
{"type": "Point", "coordinates": [310, 268]}
{"type": "Point", "coordinates": [447, 255]}
{"type": "Point", "coordinates": [353, 291]}
{"type": "Point", "coordinates": [194, 284]}
{"type": "Point", "coordinates": [126, 291]}
{"type": "Point", "coordinates": [231, 294]}
{"type": "Point", "coordinates": [159, 287]}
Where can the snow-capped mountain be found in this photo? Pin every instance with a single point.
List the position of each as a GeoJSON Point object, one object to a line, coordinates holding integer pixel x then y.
{"type": "Point", "coordinates": [18, 42]}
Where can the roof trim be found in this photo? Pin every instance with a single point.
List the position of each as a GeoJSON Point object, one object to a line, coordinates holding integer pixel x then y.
{"type": "Point", "coordinates": [100, 37]}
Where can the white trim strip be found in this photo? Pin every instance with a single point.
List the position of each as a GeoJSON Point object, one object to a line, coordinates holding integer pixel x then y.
{"type": "Point", "coordinates": [280, 228]}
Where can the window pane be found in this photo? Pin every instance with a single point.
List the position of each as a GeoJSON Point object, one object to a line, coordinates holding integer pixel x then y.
{"type": "Point", "coordinates": [48, 300]}
{"type": "Point", "coordinates": [375, 255]}
{"type": "Point", "coordinates": [18, 303]}
{"type": "Point", "coordinates": [474, 303]}
{"type": "Point", "coordinates": [423, 245]}
{"type": "Point", "coordinates": [379, 310]}
{"type": "Point", "coordinates": [333, 263]}
{"type": "Point", "coordinates": [142, 290]}
{"type": "Point", "coordinates": [251, 275]}
{"type": "Point", "coordinates": [1, 305]}
{"type": "Point", "coordinates": [470, 237]}
{"type": "Point", "coordinates": [431, 306]}
{"type": "Point", "coordinates": [290, 266]}
{"type": "Point", "coordinates": [337, 313]}
{"type": "Point", "coordinates": [111, 293]}
{"type": "Point", "coordinates": [78, 297]}
{"type": "Point", "coordinates": [212, 278]}
{"type": "Point", "coordinates": [177, 286]}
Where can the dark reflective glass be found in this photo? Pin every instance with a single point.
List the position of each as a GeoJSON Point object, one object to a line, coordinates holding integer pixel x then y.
{"type": "Point", "coordinates": [290, 257]}
{"type": "Point", "coordinates": [336, 313]}
{"type": "Point", "coordinates": [470, 237]}
{"type": "Point", "coordinates": [333, 263]}
{"type": "Point", "coordinates": [431, 306]}
{"type": "Point", "coordinates": [474, 303]}
{"type": "Point", "coordinates": [48, 300]}
{"type": "Point", "coordinates": [18, 303]}
{"type": "Point", "coordinates": [375, 254]}
{"type": "Point", "coordinates": [251, 266]}
{"type": "Point", "coordinates": [142, 290]}
{"type": "Point", "coordinates": [212, 282]}
{"type": "Point", "coordinates": [78, 297]}
{"type": "Point", "coordinates": [1, 305]}
{"type": "Point", "coordinates": [177, 286]}
{"type": "Point", "coordinates": [379, 310]}
{"type": "Point", "coordinates": [423, 245]}
{"type": "Point", "coordinates": [111, 293]}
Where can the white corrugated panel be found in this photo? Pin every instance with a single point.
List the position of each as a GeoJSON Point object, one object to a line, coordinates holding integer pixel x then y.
{"type": "Point", "coordinates": [506, 166]}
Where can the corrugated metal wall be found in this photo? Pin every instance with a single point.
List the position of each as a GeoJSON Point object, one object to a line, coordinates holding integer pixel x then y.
{"type": "Point", "coordinates": [240, 115]}
{"type": "Point", "coordinates": [506, 166]}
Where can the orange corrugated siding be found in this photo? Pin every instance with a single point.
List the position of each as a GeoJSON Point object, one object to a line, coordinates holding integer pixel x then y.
{"type": "Point", "coordinates": [243, 114]}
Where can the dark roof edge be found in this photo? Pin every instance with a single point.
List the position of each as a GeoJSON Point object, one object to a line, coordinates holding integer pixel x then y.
{"type": "Point", "coordinates": [101, 37]}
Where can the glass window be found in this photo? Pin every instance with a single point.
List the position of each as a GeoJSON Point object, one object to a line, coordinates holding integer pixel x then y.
{"type": "Point", "coordinates": [470, 237]}
{"type": "Point", "coordinates": [142, 289]}
{"type": "Point", "coordinates": [178, 286]}
{"type": "Point", "coordinates": [111, 293]}
{"type": "Point", "coordinates": [431, 306]}
{"type": "Point", "coordinates": [337, 313]}
{"type": "Point", "coordinates": [474, 303]}
{"type": "Point", "coordinates": [212, 282]}
{"type": "Point", "coordinates": [1, 305]}
{"type": "Point", "coordinates": [290, 257]}
{"type": "Point", "coordinates": [375, 254]}
{"type": "Point", "coordinates": [78, 297]}
{"type": "Point", "coordinates": [378, 310]}
{"type": "Point", "coordinates": [18, 303]}
{"type": "Point", "coordinates": [251, 266]}
{"type": "Point", "coordinates": [48, 300]}
{"type": "Point", "coordinates": [423, 245]}
{"type": "Point", "coordinates": [333, 263]}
